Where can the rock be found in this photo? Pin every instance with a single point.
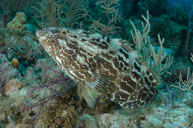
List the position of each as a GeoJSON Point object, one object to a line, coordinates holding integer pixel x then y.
{"type": "Point", "coordinates": [113, 121]}
{"type": "Point", "coordinates": [11, 86]}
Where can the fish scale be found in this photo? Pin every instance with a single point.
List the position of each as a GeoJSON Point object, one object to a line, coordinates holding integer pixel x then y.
{"type": "Point", "coordinates": [100, 66]}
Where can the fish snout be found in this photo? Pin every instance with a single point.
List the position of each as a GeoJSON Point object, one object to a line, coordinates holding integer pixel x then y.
{"type": "Point", "coordinates": [40, 32]}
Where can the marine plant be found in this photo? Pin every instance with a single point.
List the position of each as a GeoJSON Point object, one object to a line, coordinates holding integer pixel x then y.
{"type": "Point", "coordinates": [143, 45]}
{"type": "Point", "coordinates": [110, 17]}
{"type": "Point", "coordinates": [186, 84]}
{"type": "Point", "coordinates": [75, 13]}
{"type": "Point", "coordinates": [60, 13]}
{"type": "Point", "coordinates": [48, 13]}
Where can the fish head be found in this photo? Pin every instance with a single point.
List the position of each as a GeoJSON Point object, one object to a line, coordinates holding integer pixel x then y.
{"type": "Point", "coordinates": [71, 39]}
{"type": "Point", "coordinates": [56, 40]}
{"type": "Point", "coordinates": [49, 36]}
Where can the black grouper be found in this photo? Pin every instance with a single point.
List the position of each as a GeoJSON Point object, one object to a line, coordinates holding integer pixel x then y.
{"type": "Point", "coordinates": [100, 66]}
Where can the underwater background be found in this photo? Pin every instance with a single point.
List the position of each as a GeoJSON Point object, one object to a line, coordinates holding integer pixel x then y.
{"type": "Point", "coordinates": [35, 93]}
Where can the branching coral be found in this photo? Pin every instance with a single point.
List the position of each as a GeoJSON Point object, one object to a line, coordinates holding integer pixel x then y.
{"type": "Point", "coordinates": [74, 11]}
{"type": "Point", "coordinates": [143, 46]}
{"type": "Point", "coordinates": [49, 13]}
{"type": "Point", "coordinates": [111, 13]}
{"type": "Point", "coordinates": [61, 13]}
{"type": "Point", "coordinates": [186, 85]}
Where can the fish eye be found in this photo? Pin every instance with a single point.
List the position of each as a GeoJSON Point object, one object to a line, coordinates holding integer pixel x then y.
{"type": "Point", "coordinates": [64, 33]}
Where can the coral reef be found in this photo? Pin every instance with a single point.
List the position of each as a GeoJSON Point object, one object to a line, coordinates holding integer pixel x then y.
{"type": "Point", "coordinates": [34, 92]}
{"type": "Point", "coordinates": [23, 47]}
{"type": "Point", "coordinates": [7, 72]}
{"type": "Point", "coordinates": [11, 86]}
{"type": "Point", "coordinates": [18, 24]}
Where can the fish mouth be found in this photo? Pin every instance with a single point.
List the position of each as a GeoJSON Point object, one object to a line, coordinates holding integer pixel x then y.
{"type": "Point", "coordinates": [40, 32]}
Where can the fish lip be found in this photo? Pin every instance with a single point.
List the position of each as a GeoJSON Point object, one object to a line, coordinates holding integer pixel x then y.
{"type": "Point", "coordinates": [37, 30]}
{"type": "Point", "coordinates": [40, 32]}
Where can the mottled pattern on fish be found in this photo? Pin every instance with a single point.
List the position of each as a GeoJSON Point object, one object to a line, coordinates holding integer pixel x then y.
{"type": "Point", "coordinates": [100, 63]}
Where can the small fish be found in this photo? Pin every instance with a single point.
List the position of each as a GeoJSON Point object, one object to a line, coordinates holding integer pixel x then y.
{"type": "Point", "coordinates": [101, 66]}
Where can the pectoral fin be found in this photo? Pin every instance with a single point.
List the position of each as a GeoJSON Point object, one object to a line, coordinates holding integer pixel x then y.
{"type": "Point", "coordinates": [91, 91]}
{"type": "Point", "coordinates": [90, 95]}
